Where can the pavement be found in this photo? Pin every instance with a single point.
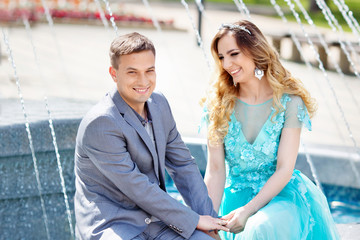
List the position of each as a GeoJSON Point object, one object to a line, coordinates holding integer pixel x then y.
{"type": "Point", "coordinates": [73, 74]}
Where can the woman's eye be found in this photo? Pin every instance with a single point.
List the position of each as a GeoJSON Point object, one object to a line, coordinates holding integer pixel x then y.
{"type": "Point", "coordinates": [221, 57]}
{"type": "Point", "coordinates": [234, 54]}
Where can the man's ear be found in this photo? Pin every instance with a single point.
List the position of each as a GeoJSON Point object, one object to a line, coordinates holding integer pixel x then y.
{"type": "Point", "coordinates": [112, 72]}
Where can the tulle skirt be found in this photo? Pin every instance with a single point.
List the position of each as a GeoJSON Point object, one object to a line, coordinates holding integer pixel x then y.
{"type": "Point", "coordinates": [299, 211]}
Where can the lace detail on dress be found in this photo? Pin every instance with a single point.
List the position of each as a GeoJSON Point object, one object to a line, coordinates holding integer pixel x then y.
{"type": "Point", "coordinates": [303, 116]}
{"type": "Point", "coordinates": [251, 165]}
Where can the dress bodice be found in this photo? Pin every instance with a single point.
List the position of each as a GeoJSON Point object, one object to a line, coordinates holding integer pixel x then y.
{"type": "Point", "coordinates": [250, 165]}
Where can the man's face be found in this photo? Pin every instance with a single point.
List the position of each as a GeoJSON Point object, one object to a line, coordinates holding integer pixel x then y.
{"type": "Point", "coordinates": [135, 78]}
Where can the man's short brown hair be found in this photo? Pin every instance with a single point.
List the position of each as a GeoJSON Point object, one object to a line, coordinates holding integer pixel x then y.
{"type": "Point", "coordinates": [127, 44]}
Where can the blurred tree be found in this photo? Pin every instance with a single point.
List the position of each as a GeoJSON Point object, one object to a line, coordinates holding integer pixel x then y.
{"type": "Point", "coordinates": [314, 7]}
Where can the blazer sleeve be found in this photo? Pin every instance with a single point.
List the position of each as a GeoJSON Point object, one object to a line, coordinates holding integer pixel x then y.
{"type": "Point", "coordinates": [185, 173]}
{"type": "Point", "coordinates": [105, 145]}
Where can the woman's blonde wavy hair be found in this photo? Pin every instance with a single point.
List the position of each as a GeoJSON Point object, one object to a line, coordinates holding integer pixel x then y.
{"type": "Point", "coordinates": [220, 100]}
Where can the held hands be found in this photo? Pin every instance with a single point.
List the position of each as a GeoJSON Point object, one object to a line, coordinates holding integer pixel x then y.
{"type": "Point", "coordinates": [236, 220]}
{"type": "Point", "coordinates": [208, 223]}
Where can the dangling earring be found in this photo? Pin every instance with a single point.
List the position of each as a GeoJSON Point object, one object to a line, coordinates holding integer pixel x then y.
{"type": "Point", "coordinates": [235, 83]}
{"type": "Point", "coordinates": [259, 73]}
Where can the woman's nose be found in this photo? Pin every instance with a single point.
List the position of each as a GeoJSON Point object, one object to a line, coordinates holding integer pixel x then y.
{"type": "Point", "coordinates": [226, 63]}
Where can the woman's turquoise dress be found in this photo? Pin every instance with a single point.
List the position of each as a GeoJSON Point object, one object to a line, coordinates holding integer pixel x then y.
{"type": "Point", "coordinates": [300, 210]}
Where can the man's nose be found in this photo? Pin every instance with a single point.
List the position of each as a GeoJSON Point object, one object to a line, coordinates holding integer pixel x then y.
{"type": "Point", "coordinates": [143, 78]}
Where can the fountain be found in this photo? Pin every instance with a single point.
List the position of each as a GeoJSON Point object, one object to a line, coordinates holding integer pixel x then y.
{"type": "Point", "coordinates": [36, 152]}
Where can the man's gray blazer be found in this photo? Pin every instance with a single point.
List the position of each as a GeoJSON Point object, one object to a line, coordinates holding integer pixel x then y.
{"type": "Point", "coordinates": [119, 172]}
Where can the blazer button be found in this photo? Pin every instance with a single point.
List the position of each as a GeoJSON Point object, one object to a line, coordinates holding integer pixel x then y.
{"type": "Point", "coordinates": [147, 220]}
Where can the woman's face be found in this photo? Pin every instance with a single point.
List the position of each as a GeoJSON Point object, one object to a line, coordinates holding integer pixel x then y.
{"type": "Point", "coordinates": [240, 66]}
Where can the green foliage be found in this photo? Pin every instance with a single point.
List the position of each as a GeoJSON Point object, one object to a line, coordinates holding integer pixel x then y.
{"type": "Point", "coordinates": [317, 17]}
{"type": "Point", "coordinates": [252, 2]}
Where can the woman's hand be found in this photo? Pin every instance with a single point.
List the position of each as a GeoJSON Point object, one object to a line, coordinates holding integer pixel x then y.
{"type": "Point", "coordinates": [237, 219]}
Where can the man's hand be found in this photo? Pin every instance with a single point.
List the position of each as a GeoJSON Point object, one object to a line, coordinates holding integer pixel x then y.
{"type": "Point", "coordinates": [214, 234]}
{"type": "Point", "coordinates": [207, 223]}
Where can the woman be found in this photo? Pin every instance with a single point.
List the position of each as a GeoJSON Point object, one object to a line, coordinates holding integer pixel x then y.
{"type": "Point", "coordinates": [255, 112]}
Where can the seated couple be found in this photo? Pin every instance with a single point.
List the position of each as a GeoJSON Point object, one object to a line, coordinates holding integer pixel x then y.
{"type": "Point", "coordinates": [254, 116]}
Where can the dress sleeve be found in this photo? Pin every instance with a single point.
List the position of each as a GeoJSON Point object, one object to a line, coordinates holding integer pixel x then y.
{"type": "Point", "coordinates": [296, 114]}
{"type": "Point", "coordinates": [204, 122]}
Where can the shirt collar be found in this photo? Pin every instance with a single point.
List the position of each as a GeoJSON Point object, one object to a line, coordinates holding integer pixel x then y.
{"type": "Point", "coordinates": [141, 119]}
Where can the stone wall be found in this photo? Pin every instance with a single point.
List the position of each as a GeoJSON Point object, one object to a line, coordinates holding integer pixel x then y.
{"type": "Point", "coordinates": [21, 214]}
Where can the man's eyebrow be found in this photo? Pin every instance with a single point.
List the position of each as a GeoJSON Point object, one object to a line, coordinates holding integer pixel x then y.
{"type": "Point", "coordinates": [131, 68]}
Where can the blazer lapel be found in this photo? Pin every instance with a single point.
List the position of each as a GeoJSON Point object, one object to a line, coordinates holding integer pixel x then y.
{"type": "Point", "coordinates": [131, 118]}
{"type": "Point", "coordinates": [159, 135]}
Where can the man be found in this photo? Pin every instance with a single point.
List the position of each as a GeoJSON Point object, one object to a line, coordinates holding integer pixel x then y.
{"type": "Point", "coordinates": [123, 146]}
